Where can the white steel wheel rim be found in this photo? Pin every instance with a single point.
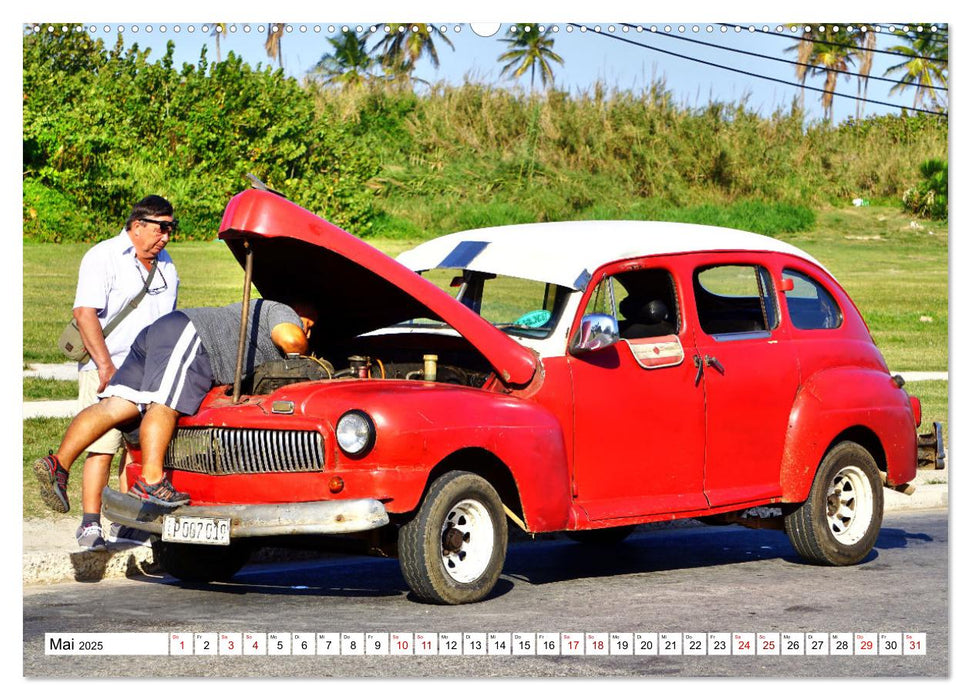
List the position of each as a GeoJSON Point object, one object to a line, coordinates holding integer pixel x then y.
{"type": "Point", "coordinates": [468, 540]}
{"type": "Point", "coordinates": [849, 505]}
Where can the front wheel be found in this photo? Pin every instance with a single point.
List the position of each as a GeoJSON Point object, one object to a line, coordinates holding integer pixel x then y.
{"type": "Point", "coordinates": [199, 562]}
{"type": "Point", "coordinates": [453, 550]}
{"type": "Point", "coordinates": [839, 522]}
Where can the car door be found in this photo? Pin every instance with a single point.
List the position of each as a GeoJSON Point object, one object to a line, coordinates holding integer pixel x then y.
{"type": "Point", "coordinates": [750, 377]}
{"type": "Point", "coordinates": [639, 421]}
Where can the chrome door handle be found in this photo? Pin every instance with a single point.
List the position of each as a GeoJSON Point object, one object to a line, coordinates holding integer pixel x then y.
{"type": "Point", "coordinates": [712, 361]}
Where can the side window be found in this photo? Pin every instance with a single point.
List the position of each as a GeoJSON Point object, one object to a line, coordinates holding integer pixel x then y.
{"type": "Point", "coordinates": [734, 299]}
{"type": "Point", "coordinates": [642, 301]}
{"type": "Point", "coordinates": [811, 307]}
{"type": "Point", "coordinates": [647, 306]}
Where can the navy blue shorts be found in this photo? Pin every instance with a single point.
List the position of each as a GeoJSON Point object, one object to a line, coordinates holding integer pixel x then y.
{"type": "Point", "coordinates": [167, 365]}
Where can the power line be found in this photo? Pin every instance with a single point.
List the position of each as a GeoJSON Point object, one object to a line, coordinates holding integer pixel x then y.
{"type": "Point", "coordinates": [856, 47]}
{"type": "Point", "coordinates": [775, 58]}
{"type": "Point", "coordinates": [756, 75]}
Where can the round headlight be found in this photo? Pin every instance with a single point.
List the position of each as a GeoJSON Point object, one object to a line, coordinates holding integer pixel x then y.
{"type": "Point", "coordinates": [355, 432]}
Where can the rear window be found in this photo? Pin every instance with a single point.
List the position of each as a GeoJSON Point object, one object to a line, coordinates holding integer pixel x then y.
{"type": "Point", "coordinates": [810, 306]}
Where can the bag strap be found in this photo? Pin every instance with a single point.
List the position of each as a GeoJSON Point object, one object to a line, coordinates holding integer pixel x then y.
{"type": "Point", "coordinates": [120, 316]}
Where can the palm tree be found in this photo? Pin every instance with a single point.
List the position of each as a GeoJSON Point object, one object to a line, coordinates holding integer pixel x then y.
{"type": "Point", "coordinates": [218, 30]}
{"type": "Point", "coordinates": [804, 54]}
{"type": "Point", "coordinates": [274, 34]}
{"type": "Point", "coordinates": [822, 51]}
{"type": "Point", "coordinates": [830, 57]}
{"type": "Point", "coordinates": [530, 49]}
{"type": "Point", "coordinates": [348, 64]}
{"type": "Point", "coordinates": [867, 42]}
{"type": "Point", "coordinates": [925, 66]}
{"type": "Point", "coordinates": [404, 43]}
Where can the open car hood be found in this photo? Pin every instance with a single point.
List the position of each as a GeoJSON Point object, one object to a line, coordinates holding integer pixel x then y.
{"type": "Point", "coordinates": [355, 288]}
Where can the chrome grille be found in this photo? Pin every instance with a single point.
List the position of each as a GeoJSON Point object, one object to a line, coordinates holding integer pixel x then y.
{"type": "Point", "coordinates": [219, 451]}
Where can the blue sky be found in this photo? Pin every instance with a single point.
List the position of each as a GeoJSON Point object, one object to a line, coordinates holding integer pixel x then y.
{"type": "Point", "coordinates": [608, 57]}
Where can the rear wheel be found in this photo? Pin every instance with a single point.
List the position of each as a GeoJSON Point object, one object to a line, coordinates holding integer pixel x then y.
{"type": "Point", "coordinates": [200, 563]}
{"type": "Point", "coordinates": [453, 550]}
{"type": "Point", "coordinates": [840, 521]}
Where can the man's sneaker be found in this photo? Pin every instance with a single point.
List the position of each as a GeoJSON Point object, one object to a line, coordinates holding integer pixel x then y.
{"type": "Point", "coordinates": [161, 494]}
{"type": "Point", "coordinates": [122, 534]}
{"type": "Point", "coordinates": [53, 483]}
{"type": "Point", "coordinates": [90, 538]}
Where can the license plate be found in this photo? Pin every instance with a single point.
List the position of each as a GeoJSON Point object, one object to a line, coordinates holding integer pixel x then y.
{"type": "Point", "coordinates": [184, 528]}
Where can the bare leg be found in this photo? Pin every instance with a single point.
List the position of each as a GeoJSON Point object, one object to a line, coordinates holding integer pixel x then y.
{"type": "Point", "coordinates": [90, 424]}
{"type": "Point", "coordinates": [97, 466]}
{"type": "Point", "coordinates": [157, 429]}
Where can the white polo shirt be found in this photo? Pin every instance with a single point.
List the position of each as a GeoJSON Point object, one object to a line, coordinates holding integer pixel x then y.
{"type": "Point", "coordinates": [110, 277]}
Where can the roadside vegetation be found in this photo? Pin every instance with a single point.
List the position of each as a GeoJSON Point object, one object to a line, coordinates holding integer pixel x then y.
{"type": "Point", "coordinates": [105, 125]}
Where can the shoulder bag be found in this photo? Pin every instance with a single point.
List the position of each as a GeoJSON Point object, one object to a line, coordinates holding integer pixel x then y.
{"type": "Point", "coordinates": [70, 341]}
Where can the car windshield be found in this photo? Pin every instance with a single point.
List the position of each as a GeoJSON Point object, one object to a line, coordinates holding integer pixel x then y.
{"type": "Point", "coordinates": [517, 306]}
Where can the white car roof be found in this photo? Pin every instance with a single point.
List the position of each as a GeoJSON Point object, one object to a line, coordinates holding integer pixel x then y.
{"type": "Point", "coordinates": [567, 253]}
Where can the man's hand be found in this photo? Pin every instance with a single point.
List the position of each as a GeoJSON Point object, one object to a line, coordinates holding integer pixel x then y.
{"type": "Point", "coordinates": [104, 375]}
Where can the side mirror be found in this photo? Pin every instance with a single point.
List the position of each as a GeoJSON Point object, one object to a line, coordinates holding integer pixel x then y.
{"type": "Point", "coordinates": [597, 331]}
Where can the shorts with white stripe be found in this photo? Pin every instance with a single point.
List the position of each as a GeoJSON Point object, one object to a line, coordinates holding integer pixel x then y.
{"type": "Point", "coordinates": [167, 364]}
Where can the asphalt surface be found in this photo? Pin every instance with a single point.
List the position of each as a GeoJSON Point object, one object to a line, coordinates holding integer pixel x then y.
{"type": "Point", "coordinates": [682, 581]}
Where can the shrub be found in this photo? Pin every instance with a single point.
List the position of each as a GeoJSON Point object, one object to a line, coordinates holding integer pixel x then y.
{"type": "Point", "coordinates": [928, 198]}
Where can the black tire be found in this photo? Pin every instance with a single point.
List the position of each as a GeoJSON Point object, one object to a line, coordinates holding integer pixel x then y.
{"type": "Point", "coordinates": [606, 537]}
{"type": "Point", "coordinates": [200, 563]}
{"type": "Point", "coordinates": [840, 521]}
{"type": "Point", "coordinates": [453, 549]}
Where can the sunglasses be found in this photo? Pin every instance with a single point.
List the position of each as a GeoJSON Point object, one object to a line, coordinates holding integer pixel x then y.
{"type": "Point", "coordinates": [164, 226]}
{"type": "Point", "coordinates": [158, 288]}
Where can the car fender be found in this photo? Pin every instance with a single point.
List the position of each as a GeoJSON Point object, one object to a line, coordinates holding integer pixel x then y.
{"type": "Point", "coordinates": [419, 425]}
{"type": "Point", "coordinates": [851, 402]}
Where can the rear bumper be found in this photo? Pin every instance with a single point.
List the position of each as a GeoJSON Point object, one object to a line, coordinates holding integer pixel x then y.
{"type": "Point", "coordinates": [314, 518]}
{"type": "Point", "coordinates": [930, 449]}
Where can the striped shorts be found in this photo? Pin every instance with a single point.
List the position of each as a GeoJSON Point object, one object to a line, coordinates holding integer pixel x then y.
{"type": "Point", "coordinates": [167, 364]}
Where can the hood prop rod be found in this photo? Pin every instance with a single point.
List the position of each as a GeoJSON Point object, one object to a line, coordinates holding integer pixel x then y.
{"type": "Point", "coordinates": [244, 322]}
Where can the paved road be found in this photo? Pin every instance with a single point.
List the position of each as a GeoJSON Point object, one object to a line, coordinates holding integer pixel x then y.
{"type": "Point", "coordinates": [680, 580]}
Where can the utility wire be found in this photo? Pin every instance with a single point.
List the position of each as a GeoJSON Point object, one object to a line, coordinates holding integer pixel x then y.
{"type": "Point", "coordinates": [754, 75]}
{"type": "Point", "coordinates": [775, 58]}
{"type": "Point", "coordinates": [856, 47]}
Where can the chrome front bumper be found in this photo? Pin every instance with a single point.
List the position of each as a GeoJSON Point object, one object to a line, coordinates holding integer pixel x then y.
{"type": "Point", "coordinates": [313, 518]}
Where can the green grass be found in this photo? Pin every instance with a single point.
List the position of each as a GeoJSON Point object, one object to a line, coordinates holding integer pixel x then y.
{"type": "Point", "coordinates": [36, 388]}
{"type": "Point", "coordinates": [897, 275]}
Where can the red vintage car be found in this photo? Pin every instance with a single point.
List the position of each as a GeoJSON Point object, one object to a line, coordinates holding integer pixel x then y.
{"type": "Point", "coordinates": [581, 377]}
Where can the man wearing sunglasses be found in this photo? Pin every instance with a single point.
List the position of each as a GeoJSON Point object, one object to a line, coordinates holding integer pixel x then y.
{"type": "Point", "coordinates": [112, 275]}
